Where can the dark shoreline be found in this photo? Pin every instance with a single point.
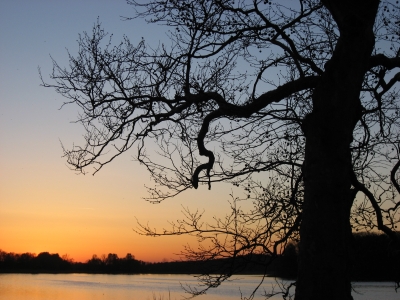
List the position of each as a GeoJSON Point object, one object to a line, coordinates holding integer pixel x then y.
{"type": "Point", "coordinates": [373, 259]}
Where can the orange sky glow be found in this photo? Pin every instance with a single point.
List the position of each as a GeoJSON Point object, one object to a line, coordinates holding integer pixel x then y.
{"type": "Point", "coordinates": [44, 206]}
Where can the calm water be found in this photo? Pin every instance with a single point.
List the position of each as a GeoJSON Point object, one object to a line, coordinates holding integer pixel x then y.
{"type": "Point", "coordinates": [147, 287]}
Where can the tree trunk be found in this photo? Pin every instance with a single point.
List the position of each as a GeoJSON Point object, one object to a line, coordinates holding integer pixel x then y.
{"type": "Point", "coordinates": [325, 229]}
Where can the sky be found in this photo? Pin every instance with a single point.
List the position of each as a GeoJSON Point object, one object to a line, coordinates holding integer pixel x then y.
{"type": "Point", "coordinates": [44, 206]}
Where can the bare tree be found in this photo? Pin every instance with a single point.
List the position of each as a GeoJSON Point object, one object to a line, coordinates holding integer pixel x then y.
{"type": "Point", "coordinates": [298, 100]}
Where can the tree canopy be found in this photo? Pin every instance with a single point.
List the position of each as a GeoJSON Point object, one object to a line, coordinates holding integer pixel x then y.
{"type": "Point", "coordinates": [296, 101]}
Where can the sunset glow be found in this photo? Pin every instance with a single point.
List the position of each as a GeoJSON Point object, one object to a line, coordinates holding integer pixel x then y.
{"type": "Point", "coordinates": [44, 206]}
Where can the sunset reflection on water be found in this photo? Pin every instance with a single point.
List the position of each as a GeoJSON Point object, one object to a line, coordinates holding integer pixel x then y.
{"type": "Point", "coordinates": [148, 287]}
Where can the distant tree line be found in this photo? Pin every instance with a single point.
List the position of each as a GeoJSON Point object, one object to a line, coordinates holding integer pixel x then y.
{"type": "Point", "coordinates": [52, 263]}
{"type": "Point", "coordinates": [45, 262]}
{"type": "Point", "coordinates": [113, 264]}
{"type": "Point", "coordinates": [372, 259]}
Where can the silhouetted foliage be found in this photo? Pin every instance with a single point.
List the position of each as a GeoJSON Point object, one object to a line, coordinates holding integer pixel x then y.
{"type": "Point", "coordinates": [287, 262]}
{"type": "Point", "coordinates": [43, 262]}
{"type": "Point", "coordinates": [52, 263]}
{"type": "Point", "coordinates": [113, 264]}
{"type": "Point", "coordinates": [296, 102]}
{"type": "Point", "coordinates": [374, 258]}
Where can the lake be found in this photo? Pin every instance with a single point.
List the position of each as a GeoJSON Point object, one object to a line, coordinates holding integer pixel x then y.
{"type": "Point", "coordinates": [149, 287]}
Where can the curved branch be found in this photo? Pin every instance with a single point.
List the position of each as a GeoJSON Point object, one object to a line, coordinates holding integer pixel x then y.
{"type": "Point", "coordinates": [245, 111]}
{"type": "Point", "coordinates": [273, 96]}
{"type": "Point", "coordinates": [361, 187]}
{"type": "Point", "coordinates": [393, 174]}
{"type": "Point", "coordinates": [384, 61]}
{"type": "Point", "coordinates": [204, 151]}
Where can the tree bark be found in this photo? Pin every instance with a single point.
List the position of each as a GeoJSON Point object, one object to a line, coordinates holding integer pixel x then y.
{"type": "Point", "coordinates": [325, 231]}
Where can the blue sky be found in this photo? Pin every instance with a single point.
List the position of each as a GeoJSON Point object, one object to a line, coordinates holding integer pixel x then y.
{"type": "Point", "coordinates": [43, 205]}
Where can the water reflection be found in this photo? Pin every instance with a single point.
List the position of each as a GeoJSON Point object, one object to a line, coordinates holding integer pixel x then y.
{"type": "Point", "coordinates": [143, 287]}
